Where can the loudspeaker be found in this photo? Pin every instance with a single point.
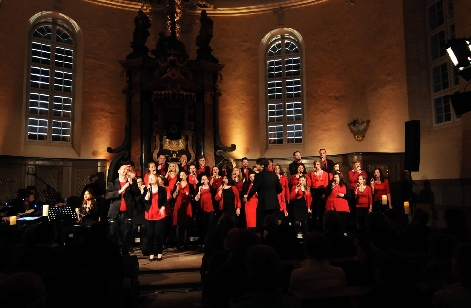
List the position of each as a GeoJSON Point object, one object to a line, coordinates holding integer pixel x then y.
{"type": "Point", "coordinates": [461, 102]}
{"type": "Point", "coordinates": [412, 145]}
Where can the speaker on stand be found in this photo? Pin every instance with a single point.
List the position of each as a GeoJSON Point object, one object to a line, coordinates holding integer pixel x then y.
{"type": "Point", "coordinates": [412, 145]}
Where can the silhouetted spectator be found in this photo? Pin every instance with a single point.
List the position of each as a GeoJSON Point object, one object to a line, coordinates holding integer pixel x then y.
{"type": "Point", "coordinates": [395, 284]}
{"type": "Point", "coordinates": [437, 273]}
{"type": "Point", "coordinates": [456, 224]}
{"type": "Point", "coordinates": [458, 295]}
{"type": "Point", "coordinates": [382, 239]}
{"type": "Point", "coordinates": [230, 280]}
{"type": "Point", "coordinates": [392, 219]}
{"type": "Point", "coordinates": [341, 245]}
{"type": "Point", "coordinates": [214, 240]}
{"type": "Point", "coordinates": [426, 195]}
{"type": "Point", "coordinates": [263, 268]}
{"type": "Point", "coordinates": [315, 272]}
{"type": "Point", "coordinates": [23, 289]}
{"type": "Point", "coordinates": [105, 266]}
{"type": "Point", "coordinates": [415, 239]}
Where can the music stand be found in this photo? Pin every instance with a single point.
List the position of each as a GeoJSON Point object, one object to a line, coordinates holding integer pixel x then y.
{"type": "Point", "coordinates": [62, 214]}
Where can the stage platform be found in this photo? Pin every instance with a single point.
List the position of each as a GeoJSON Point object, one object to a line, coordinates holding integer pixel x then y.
{"type": "Point", "coordinates": [173, 282]}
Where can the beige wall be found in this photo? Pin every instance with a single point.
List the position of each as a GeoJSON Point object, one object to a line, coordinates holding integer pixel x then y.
{"type": "Point", "coordinates": [100, 113]}
{"type": "Point", "coordinates": [355, 65]}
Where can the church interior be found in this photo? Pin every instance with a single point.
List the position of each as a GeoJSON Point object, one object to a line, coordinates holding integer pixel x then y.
{"type": "Point", "coordinates": [229, 89]}
{"type": "Point", "coordinates": [86, 85]}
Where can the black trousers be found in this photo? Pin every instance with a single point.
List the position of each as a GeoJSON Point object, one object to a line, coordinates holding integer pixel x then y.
{"type": "Point", "coordinates": [155, 235]}
{"type": "Point", "coordinates": [121, 231]}
{"type": "Point", "coordinates": [261, 218]}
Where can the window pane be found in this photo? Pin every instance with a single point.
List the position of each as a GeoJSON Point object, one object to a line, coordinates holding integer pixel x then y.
{"type": "Point", "coordinates": [43, 32]}
{"type": "Point", "coordinates": [62, 106]}
{"type": "Point", "coordinates": [61, 130]}
{"type": "Point", "coordinates": [275, 112]}
{"type": "Point", "coordinates": [275, 89]}
{"type": "Point", "coordinates": [64, 57]}
{"type": "Point", "coordinates": [291, 47]}
{"type": "Point", "coordinates": [275, 68]}
{"type": "Point", "coordinates": [275, 134]}
{"type": "Point", "coordinates": [294, 133]}
{"type": "Point", "coordinates": [442, 109]}
{"type": "Point", "coordinates": [440, 78]}
{"type": "Point", "coordinates": [38, 104]}
{"type": "Point", "coordinates": [275, 49]}
{"type": "Point", "coordinates": [63, 81]}
{"type": "Point", "coordinates": [293, 88]}
{"type": "Point", "coordinates": [437, 45]}
{"type": "Point", "coordinates": [39, 78]}
{"type": "Point", "coordinates": [435, 15]}
{"type": "Point", "coordinates": [63, 37]}
{"type": "Point", "coordinates": [41, 53]}
{"type": "Point", "coordinates": [293, 66]}
{"type": "Point", "coordinates": [451, 9]}
{"type": "Point", "coordinates": [293, 111]}
{"type": "Point", "coordinates": [37, 129]}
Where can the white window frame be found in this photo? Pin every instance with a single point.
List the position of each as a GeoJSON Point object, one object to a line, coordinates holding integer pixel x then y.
{"type": "Point", "coordinates": [57, 99]}
{"type": "Point", "coordinates": [282, 90]}
{"type": "Point", "coordinates": [442, 61]}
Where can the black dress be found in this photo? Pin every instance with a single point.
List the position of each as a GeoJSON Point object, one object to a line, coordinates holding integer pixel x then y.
{"type": "Point", "coordinates": [298, 209]}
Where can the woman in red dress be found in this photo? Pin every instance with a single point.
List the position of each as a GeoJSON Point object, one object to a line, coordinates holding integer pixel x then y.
{"type": "Point", "coordinates": [300, 204]}
{"type": "Point", "coordinates": [338, 194]}
{"type": "Point", "coordinates": [363, 198]}
{"type": "Point", "coordinates": [319, 181]}
{"type": "Point", "coordinates": [251, 205]}
{"type": "Point", "coordinates": [237, 178]}
{"type": "Point", "coordinates": [205, 199]}
{"type": "Point", "coordinates": [295, 177]}
{"type": "Point", "coordinates": [379, 187]}
{"type": "Point", "coordinates": [152, 169]}
{"type": "Point", "coordinates": [284, 196]}
{"type": "Point", "coordinates": [155, 201]}
{"type": "Point", "coordinates": [215, 180]}
{"type": "Point", "coordinates": [182, 213]}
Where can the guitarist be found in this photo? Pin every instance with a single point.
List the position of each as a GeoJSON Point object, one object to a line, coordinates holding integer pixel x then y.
{"type": "Point", "coordinates": [88, 213]}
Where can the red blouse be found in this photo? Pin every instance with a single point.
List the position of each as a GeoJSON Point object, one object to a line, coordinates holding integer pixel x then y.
{"type": "Point", "coordinates": [334, 202]}
{"type": "Point", "coordinates": [206, 200]}
{"type": "Point", "coordinates": [353, 177]}
{"type": "Point", "coordinates": [380, 189]}
{"type": "Point", "coordinates": [295, 180]}
{"type": "Point", "coordinates": [154, 211]}
{"type": "Point", "coordinates": [301, 194]}
{"type": "Point", "coordinates": [364, 198]}
{"type": "Point", "coordinates": [319, 181]}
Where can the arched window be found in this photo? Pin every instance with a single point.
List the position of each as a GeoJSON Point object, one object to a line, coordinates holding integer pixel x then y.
{"type": "Point", "coordinates": [444, 76]}
{"type": "Point", "coordinates": [284, 90]}
{"type": "Point", "coordinates": [50, 83]}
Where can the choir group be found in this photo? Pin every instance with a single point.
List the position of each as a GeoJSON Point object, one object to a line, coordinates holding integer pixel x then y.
{"type": "Point", "coordinates": [198, 192]}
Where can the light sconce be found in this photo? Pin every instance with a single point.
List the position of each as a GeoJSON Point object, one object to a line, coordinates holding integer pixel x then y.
{"type": "Point", "coordinates": [358, 128]}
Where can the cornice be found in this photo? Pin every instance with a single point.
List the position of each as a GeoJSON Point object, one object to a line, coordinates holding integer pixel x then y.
{"type": "Point", "coordinates": [220, 11]}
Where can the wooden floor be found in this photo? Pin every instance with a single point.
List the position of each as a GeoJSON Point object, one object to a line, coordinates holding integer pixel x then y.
{"type": "Point", "coordinates": [173, 282]}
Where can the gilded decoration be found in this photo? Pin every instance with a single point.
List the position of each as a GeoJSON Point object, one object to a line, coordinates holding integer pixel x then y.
{"type": "Point", "coordinates": [174, 145]}
{"type": "Point", "coordinates": [358, 128]}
